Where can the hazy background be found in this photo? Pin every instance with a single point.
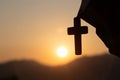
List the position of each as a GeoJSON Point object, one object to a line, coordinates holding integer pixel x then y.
{"type": "Point", "coordinates": [34, 29]}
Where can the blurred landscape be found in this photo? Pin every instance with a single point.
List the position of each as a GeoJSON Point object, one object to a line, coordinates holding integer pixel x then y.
{"type": "Point", "coordinates": [103, 67]}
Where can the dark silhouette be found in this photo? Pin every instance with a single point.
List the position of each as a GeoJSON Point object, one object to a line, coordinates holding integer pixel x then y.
{"type": "Point", "coordinates": [77, 30]}
{"type": "Point", "coordinates": [103, 67]}
{"type": "Point", "coordinates": [10, 78]}
{"type": "Point", "coordinates": [104, 15]}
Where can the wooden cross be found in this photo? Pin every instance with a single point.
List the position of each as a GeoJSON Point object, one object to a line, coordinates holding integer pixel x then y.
{"type": "Point", "coordinates": [77, 30]}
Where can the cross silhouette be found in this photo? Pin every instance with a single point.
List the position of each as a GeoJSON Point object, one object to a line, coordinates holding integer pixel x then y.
{"type": "Point", "coordinates": [77, 30]}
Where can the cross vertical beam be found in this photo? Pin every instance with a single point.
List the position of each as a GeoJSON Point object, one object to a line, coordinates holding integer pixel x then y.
{"type": "Point", "coordinates": [77, 30]}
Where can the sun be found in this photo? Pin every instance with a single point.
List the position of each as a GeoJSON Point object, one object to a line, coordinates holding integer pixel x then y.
{"type": "Point", "coordinates": [62, 52]}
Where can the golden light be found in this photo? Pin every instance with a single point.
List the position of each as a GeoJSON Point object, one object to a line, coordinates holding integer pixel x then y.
{"type": "Point", "coordinates": [62, 52]}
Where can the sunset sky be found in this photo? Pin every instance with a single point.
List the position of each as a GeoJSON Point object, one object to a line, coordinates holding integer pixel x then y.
{"type": "Point", "coordinates": [35, 29]}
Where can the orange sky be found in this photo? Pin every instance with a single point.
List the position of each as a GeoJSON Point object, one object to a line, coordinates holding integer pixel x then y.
{"type": "Point", "coordinates": [34, 29]}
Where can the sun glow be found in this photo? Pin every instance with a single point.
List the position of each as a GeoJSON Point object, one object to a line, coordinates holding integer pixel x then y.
{"type": "Point", "coordinates": [62, 52]}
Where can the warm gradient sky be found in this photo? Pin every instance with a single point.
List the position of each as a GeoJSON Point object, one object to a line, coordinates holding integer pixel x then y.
{"type": "Point", "coordinates": [34, 29]}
